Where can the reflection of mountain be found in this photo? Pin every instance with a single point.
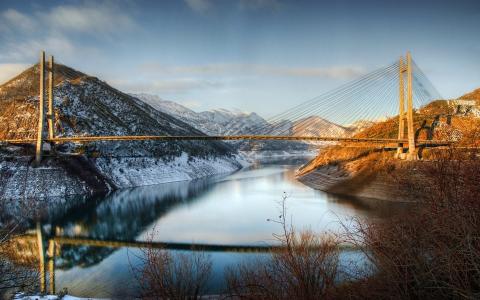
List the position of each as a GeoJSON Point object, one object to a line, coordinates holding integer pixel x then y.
{"type": "Point", "coordinates": [121, 216]}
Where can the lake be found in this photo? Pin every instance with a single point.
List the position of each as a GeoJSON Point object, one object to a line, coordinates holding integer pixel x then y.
{"type": "Point", "coordinates": [224, 210]}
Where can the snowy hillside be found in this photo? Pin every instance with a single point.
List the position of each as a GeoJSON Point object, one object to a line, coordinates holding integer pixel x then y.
{"type": "Point", "coordinates": [214, 122]}
{"type": "Point", "coordinates": [226, 122]}
{"type": "Point", "coordinates": [316, 126]}
{"type": "Point", "coordinates": [85, 105]}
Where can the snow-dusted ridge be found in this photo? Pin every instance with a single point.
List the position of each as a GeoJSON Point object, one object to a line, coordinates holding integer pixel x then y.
{"type": "Point", "coordinates": [85, 105]}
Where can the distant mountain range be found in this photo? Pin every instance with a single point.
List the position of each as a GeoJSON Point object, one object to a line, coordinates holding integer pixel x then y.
{"type": "Point", "coordinates": [227, 122]}
{"type": "Point", "coordinates": [213, 122]}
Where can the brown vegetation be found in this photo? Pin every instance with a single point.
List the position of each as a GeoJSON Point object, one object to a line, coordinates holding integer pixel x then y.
{"type": "Point", "coordinates": [433, 252]}
{"type": "Point", "coordinates": [17, 272]}
{"type": "Point", "coordinates": [306, 268]}
{"type": "Point", "coordinates": [166, 274]}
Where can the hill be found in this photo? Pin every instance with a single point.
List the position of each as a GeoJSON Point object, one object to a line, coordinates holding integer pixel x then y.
{"type": "Point", "coordinates": [473, 95]}
{"type": "Point", "coordinates": [85, 105]}
{"type": "Point", "coordinates": [368, 172]}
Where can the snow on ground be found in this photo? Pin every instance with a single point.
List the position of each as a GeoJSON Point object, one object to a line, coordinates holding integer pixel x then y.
{"type": "Point", "coordinates": [133, 171]}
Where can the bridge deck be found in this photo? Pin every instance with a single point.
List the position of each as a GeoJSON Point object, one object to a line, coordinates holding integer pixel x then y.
{"type": "Point", "coordinates": [85, 139]}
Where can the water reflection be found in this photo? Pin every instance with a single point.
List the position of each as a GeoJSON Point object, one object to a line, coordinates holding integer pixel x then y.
{"type": "Point", "coordinates": [223, 210]}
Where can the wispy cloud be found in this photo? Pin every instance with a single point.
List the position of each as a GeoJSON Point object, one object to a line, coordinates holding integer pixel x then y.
{"type": "Point", "coordinates": [199, 6]}
{"type": "Point", "coordinates": [12, 18]}
{"type": "Point", "coordinates": [259, 4]}
{"type": "Point", "coordinates": [203, 6]}
{"type": "Point", "coordinates": [334, 72]}
{"type": "Point", "coordinates": [91, 18]}
{"type": "Point", "coordinates": [168, 86]}
{"type": "Point", "coordinates": [57, 29]}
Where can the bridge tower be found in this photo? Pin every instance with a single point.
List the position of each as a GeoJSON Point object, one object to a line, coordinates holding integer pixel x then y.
{"type": "Point", "coordinates": [401, 110]}
{"type": "Point", "coordinates": [41, 106]}
{"type": "Point", "coordinates": [406, 68]}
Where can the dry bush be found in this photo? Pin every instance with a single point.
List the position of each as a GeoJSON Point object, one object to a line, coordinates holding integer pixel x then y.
{"type": "Point", "coordinates": [17, 273]}
{"type": "Point", "coordinates": [306, 267]}
{"type": "Point", "coordinates": [164, 274]}
{"type": "Point", "coordinates": [433, 252]}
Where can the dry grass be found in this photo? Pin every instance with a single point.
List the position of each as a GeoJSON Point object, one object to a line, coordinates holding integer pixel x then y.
{"type": "Point", "coordinates": [306, 268]}
{"type": "Point", "coordinates": [165, 274]}
{"type": "Point", "coordinates": [434, 251]}
{"type": "Point", "coordinates": [17, 272]}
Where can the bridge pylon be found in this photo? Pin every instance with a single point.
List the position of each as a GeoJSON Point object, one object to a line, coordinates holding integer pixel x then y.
{"type": "Point", "coordinates": [41, 106]}
{"type": "Point", "coordinates": [406, 67]}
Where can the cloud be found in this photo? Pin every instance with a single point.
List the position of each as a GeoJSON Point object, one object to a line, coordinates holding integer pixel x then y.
{"type": "Point", "coordinates": [90, 18]}
{"type": "Point", "coordinates": [169, 86]}
{"type": "Point", "coordinates": [259, 4]}
{"type": "Point", "coordinates": [14, 18]}
{"type": "Point", "coordinates": [192, 104]}
{"type": "Point", "coordinates": [334, 72]}
{"type": "Point", "coordinates": [61, 30]}
{"type": "Point", "coordinates": [199, 6]}
{"type": "Point", "coordinates": [8, 71]}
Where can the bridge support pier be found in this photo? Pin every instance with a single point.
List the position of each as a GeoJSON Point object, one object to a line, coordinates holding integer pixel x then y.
{"type": "Point", "coordinates": [50, 114]}
{"type": "Point", "coordinates": [39, 144]}
{"type": "Point", "coordinates": [412, 153]}
{"type": "Point", "coordinates": [41, 107]}
{"type": "Point", "coordinates": [401, 110]}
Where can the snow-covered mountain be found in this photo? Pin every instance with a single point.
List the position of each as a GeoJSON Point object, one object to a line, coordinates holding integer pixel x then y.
{"type": "Point", "coordinates": [85, 105]}
{"type": "Point", "coordinates": [227, 122]}
{"type": "Point", "coordinates": [213, 122]}
{"type": "Point", "coordinates": [316, 126]}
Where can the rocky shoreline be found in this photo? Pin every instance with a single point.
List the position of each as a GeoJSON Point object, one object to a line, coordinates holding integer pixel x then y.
{"type": "Point", "coordinates": [375, 178]}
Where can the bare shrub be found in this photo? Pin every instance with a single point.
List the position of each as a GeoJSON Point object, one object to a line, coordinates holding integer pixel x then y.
{"type": "Point", "coordinates": [433, 252]}
{"type": "Point", "coordinates": [164, 274]}
{"type": "Point", "coordinates": [306, 267]}
{"type": "Point", "coordinates": [17, 271]}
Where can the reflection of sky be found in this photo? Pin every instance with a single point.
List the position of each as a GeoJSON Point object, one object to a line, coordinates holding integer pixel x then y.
{"type": "Point", "coordinates": [231, 211]}
{"type": "Point", "coordinates": [235, 211]}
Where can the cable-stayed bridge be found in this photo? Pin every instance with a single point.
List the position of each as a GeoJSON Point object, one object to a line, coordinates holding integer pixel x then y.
{"type": "Point", "coordinates": [397, 89]}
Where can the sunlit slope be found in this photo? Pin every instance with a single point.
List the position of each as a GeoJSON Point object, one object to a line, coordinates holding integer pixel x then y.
{"type": "Point", "coordinates": [85, 105]}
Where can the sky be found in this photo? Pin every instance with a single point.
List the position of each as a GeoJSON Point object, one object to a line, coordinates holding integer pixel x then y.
{"type": "Point", "coordinates": [252, 55]}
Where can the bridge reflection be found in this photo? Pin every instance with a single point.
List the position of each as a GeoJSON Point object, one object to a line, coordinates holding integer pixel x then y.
{"type": "Point", "coordinates": [49, 248]}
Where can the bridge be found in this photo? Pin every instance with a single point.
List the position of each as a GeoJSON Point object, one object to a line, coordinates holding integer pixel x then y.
{"type": "Point", "coordinates": [397, 89]}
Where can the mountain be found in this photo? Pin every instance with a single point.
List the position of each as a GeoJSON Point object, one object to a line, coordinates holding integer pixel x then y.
{"type": "Point", "coordinates": [85, 105]}
{"type": "Point", "coordinates": [226, 122]}
{"type": "Point", "coordinates": [214, 122]}
{"type": "Point", "coordinates": [473, 95]}
{"type": "Point", "coordinates": [316, 126]}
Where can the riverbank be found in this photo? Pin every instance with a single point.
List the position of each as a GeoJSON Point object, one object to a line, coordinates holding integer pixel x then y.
{"type": "Point", "coordinates": [368, 174]}
{"type": "Point", "coordinates": [67, 175]}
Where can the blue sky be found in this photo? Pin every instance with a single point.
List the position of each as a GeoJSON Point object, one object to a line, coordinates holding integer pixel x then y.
{"type": "Point", "coordinates": [253, 55]}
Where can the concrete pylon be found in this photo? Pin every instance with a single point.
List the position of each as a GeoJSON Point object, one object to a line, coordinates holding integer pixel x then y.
{"type": "Point", "coordinates": [412, 153]}
{"type": "Point", "coordinates": [401, 110]}
{"type": "Point", "coordinates": [50, 114]}
{"type": "Point", "coordinates": [41, 107]}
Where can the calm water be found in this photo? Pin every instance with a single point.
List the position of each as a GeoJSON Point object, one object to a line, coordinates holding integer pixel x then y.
{"type": "Point", "coordinates": [225, 210]}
